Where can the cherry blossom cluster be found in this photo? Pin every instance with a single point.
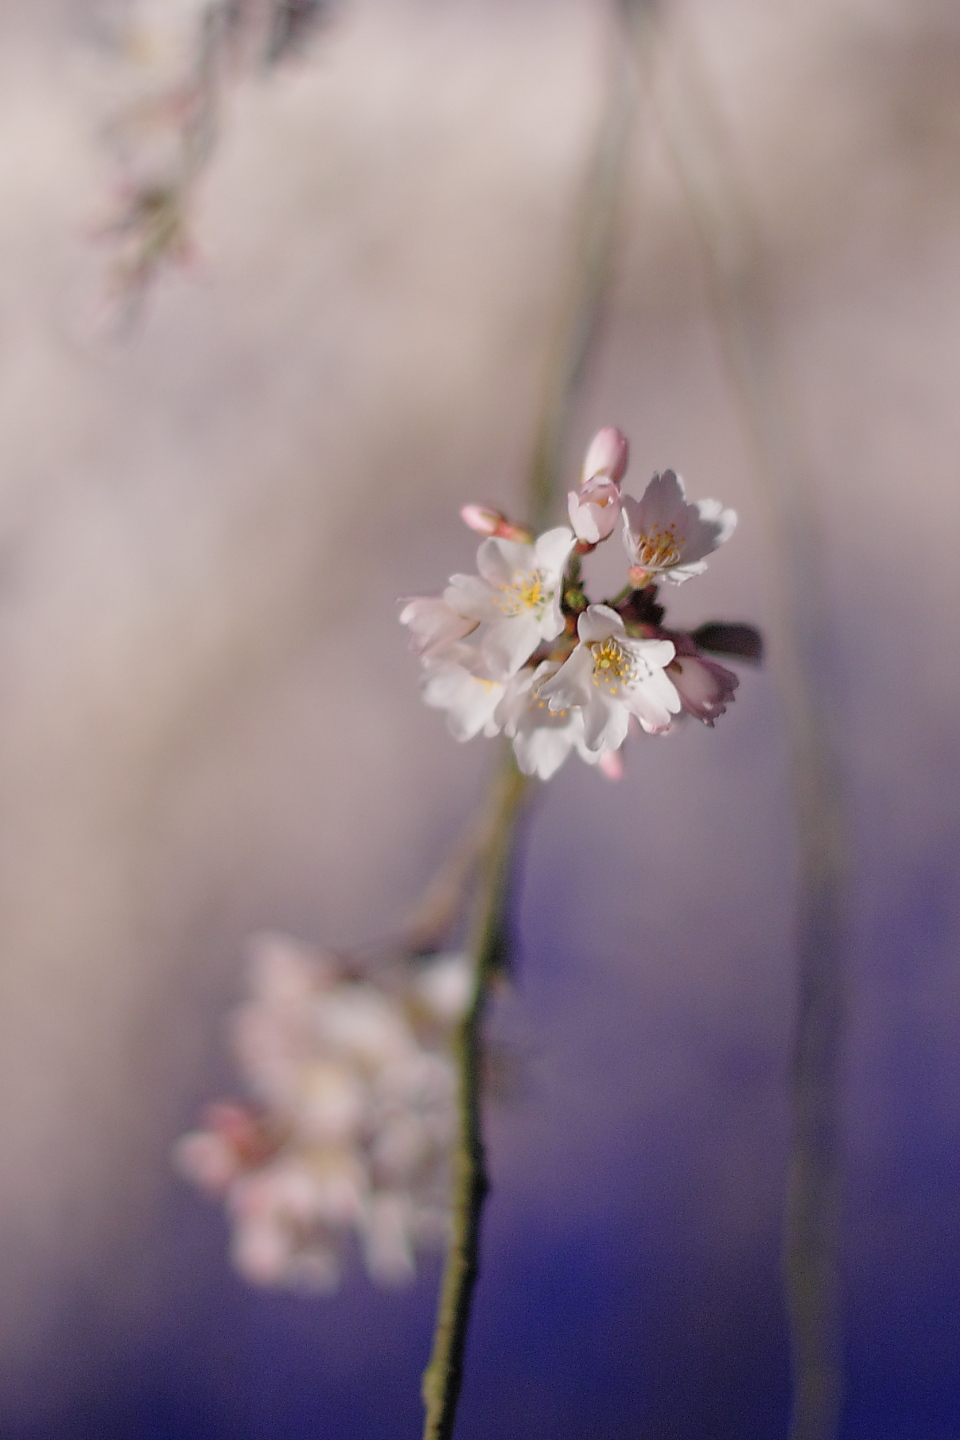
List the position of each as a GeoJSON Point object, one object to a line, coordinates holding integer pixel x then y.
{"type": "Point", "coordinates": [519, 648]}
{"type": "Point", "coordinates": [351, 1120]}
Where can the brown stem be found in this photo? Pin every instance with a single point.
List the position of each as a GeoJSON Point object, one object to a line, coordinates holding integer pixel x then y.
{"type": "Point", "coordinates": [444, 1374]}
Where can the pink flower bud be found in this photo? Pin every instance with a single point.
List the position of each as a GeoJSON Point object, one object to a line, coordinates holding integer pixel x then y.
{"type": "Point", "coordinates": [483, 519]}
{"type": "Point", "coordinates": [607, 454]}
{"type": "Point", "coordinates": [487, 521]}
{"type": "Point", "coordinates": [594, 509]}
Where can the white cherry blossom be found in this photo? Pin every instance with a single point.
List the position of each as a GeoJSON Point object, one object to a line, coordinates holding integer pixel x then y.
{"type": "Point", "coordinates": [542, 738]}
{"type": "Point", "coordinates": [516, 595]}
{"type": "Point", "coordinates": [667, 537]}
{"type": "Point", "coordinates": [611, 676]}
{"type": "Point", "coordinates": [460, 683]}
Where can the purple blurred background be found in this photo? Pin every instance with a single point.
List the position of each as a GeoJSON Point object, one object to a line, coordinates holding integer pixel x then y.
{"type": "Point", "coordinates": [202, 536]}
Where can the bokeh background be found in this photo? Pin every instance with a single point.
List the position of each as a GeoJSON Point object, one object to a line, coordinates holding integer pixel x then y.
{"type": "Point", "coordinates": [209, 722]}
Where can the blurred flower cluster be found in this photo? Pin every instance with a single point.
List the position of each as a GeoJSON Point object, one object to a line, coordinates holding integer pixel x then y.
{"type": "Point", "coordinates": [351, 1121]}
{"type": "Point", "coordinates": [176, 58]}
{"type": "Point", "coordinates": [520, 648]}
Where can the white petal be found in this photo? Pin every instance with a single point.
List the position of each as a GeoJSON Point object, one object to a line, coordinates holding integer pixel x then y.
{"type": "Point", "coordinates": [470, 596]}
{"type": "Point", "coordinates": [433, 624]}
{"type": "Point", "coordinates": [605, 723]}
{"type": "Point", "coordinates": [652, 654]}
{"type": "Point", "coordinates": [583, 519]}
{"type": "Point", "coordinates": [654, 701]}
{"type": "Point", "coordinates": [679, 573]}
{"type": "Point", "coordinates": [599, 622]}
{"type": "Point", "coordinates": [710, 525]}
{"type": "Point", "coordinates": [499, 560]}
{"type": "Point", "coordinates": [570, 686]}
{"type": "Point", "coordinates": [470, 700]}
{"type": "Point", "coordinates": [663, 503]}
{"type": "Point", "coordinates": [510, 642]}
{"type": "Point", "coordinates": [552, 550]}
{"type": "Point", "coordinates": [542, 750]}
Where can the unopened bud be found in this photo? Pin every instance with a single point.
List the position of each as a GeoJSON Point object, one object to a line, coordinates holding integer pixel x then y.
{"type": "Point", "coordinates": [487, 521]}
{"type": "Point", "coordinates": [483, 519]}
{"type": "Point", "coordinates": [607, 454]}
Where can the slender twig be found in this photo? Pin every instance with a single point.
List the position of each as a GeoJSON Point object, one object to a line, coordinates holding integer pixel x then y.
{"type": "Point", "coordinates": [593, 235]}
{"type": "Point", "coordinates": [735, 266]}
{"type": "Point", "coordinates": [443, 1377]}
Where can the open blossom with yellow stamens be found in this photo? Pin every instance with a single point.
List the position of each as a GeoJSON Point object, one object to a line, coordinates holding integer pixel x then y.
{"type": "Point", "coordinates": [516, 595]}
{"type": "Point", "coordinates": [611, 676]}
{"type": "Point", "coordinates": [667, 537]}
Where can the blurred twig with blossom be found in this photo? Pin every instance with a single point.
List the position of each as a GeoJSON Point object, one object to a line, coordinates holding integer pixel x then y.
{"type": "Point", "coordinates": [187, 55]}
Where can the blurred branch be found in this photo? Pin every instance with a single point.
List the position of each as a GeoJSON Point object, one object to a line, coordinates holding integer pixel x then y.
{"type": "Point", "coordinates": [742, 299]}
{"type": "Point", "coordinates": [593, 231]}
{"type": "Point", "coordinates": [152, 228]}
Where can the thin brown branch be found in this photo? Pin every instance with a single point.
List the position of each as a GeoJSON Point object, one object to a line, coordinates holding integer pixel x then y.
{"type": "Point", "coordinates": [443, 1377]}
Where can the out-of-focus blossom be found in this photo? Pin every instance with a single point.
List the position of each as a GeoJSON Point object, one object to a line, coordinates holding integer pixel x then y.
{"type": "Point", "coordinates": [610, 677]}
{"type": "Point", "coordinates": [170, 63]}
{"type": "Point", "coordinates": [667, 537]}
{"type": "Point", "coordinates": [611, 764]}
{"type": "Point", "coordinates": [353, 1121]}
{"type": "Point", "coordinates": [516, 595]}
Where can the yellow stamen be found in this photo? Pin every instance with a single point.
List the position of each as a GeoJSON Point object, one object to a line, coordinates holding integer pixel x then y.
{"type": "Point", "coordinates": [525, 591]}
{"type": "Point", "coordinates": [659, 549]}
{"type": "Point", "coordinates": [612, 665]}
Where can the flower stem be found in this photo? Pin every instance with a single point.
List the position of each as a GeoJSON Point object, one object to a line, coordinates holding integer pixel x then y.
{"type": "Point", "coordinates": [443, 1376]}
{"type": "Point", "coordinates": [593, 230]}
